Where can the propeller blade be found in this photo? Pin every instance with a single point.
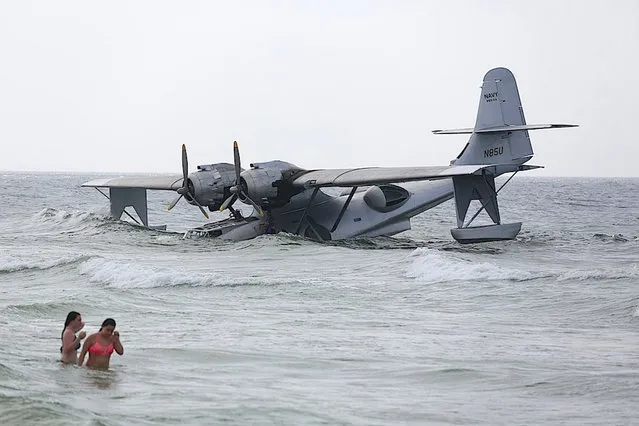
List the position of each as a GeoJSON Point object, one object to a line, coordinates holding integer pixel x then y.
{"type": "Point", "coordinates": [236, 161]}
{"type": "Point", "coordinates": [185, 166]}
{"type": "Point", "coordinates": [238, 188]}
{"type": "Point", "coordinates": [257, 207]}
{"type": "Point", "coordinates": [184, 189]}
{"type": "Point", "coordinates": [228, 202]}
{"type": "Point", "coordinates": [174, 202]}
{"type": "Point", "coordinates": [206, 215]}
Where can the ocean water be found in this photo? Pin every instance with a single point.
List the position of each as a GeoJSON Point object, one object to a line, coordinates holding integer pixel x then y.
{"type": "Point", "coordinates": [410, 330]}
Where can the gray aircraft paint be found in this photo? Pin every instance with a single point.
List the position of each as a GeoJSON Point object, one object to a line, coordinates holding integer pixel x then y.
{"type": "Point", "coordinates": [291, 197]}
{"type": "Point", "coordinates": [499, 106]}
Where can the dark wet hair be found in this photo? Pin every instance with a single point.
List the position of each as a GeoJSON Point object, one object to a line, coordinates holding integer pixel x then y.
{"type": "Point", "coordinates": [70, 317]}
{"type": "Point", "coordinates": [107, 322]}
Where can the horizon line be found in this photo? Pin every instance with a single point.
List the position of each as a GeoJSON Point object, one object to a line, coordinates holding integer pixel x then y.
{"type": "Point", "coordinates": [527, 175]}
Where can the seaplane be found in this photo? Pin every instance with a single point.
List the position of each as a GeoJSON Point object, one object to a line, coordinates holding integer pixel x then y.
{"type": "Point", "coordinates": [336, 204]}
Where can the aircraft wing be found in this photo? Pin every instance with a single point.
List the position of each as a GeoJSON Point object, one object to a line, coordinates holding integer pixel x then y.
{"type": "Point", "coordinates": [381, 175]}
{"type": "Point", "coordinates": [160, 182]}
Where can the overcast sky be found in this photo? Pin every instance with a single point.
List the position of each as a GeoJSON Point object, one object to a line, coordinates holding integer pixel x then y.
{"type": "Point", "coordinates": [118, 86]}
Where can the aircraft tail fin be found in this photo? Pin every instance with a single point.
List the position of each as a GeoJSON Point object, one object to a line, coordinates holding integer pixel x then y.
{"type": "Point", "coordinates": [499, 139]}
{"type": "Point", "coordinates": [500, 135]}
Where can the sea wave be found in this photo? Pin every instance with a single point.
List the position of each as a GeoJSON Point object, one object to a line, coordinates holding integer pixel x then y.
{"type": "Point", "coordinates": [51, 215]}
{"type": "Point", "coordinates": [599, 274]}
{"type": "Point", "coordinates": [38, 309]}
{"type": "Point", "coordinates": [436, 266]}
{"type": "Point", "coordinates": [433, 266]}
{"type": "Point", "coordinates": [36, 261]}
{"type": "Point", "coordinates": [55, 222]}
{"type": "Point", "coordinates": [616, 238]}
{"type": "Point", "coordinates": [50, 221]}
{"type": "Point", "coordinates": [7, 372]}
{"type": "Point", "coordinates": [77, 220]}
{"type": "Point", "coordinates": [15, 410]}
{"type": "Point", "coordinates": [123, 274]}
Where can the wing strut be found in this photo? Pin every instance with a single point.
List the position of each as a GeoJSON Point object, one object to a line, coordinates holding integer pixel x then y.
{"type": "Point", "coordinates": [483, 205]}
{"type": "Point", "coordinates": [299, 225]}
{"type": "Point", "coordinates": [341, 213]}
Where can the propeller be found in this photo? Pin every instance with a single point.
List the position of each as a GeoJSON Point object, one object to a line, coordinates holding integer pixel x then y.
{"type": "Point", "coordinates": [184, 189]}
{"type": "Point", "coordinates": [239, 190]}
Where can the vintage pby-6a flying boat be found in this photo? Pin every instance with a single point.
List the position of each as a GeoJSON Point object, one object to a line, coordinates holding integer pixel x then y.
{"type": "Point", "coordinates": [373, 201]}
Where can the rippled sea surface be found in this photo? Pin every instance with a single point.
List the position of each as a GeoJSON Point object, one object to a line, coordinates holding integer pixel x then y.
{"type": "Point", "coordinates": [410, 330]}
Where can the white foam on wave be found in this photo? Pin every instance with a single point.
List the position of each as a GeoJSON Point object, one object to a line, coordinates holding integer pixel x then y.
{"type": "Point", "coordinates": [433, 266]}
{"type": "Point", "coordinates": [49, 219]}
{"type": "Point", "coordinates": [61, 216]}
{"type": "Point", "coordinates": [122, 274]}
{"type": "Point", "coordinates": [14, 263]}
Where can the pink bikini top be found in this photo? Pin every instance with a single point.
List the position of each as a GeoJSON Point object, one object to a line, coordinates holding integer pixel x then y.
{"type": "Point", "coordinates": [98, 349]}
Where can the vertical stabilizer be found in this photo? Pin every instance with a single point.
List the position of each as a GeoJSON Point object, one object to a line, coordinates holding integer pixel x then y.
{"type": "Point", "coordinates": [499, 107]}
{"type": "Point", "coordinates": [500, 141]}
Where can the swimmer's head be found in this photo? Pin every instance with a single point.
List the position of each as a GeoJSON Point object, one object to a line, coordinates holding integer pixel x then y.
{"type": "Point", "coordinates": [74, 321]}
{"type": "Point", "coordinates": [108, 325]}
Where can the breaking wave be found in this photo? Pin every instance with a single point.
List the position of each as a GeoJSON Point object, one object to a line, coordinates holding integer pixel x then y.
{"type": "Point", "coordinates": [122, 274]}
{"type": "Point", "coordinates": [61, 221]}
{"type": "Point", "coordinates": [433, 266]}
{"type": "Point", "coordinates": [51, 215]}
{"type": "Point", "coordinates": [437, 266]}
{"type": "Point", "coordinates": [50, 221]}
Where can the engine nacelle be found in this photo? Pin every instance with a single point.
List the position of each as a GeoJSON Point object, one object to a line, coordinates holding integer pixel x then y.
{"type": "Point", "coordinates": [211, 183]}
{"type": "Point", "coordinates": [268, 184]}
{"type": "Point", "coordinates": [259, 184]}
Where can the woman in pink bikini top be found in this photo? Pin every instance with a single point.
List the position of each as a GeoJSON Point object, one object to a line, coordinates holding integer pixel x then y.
{"type": "Point", "coordinates": [101, 345]}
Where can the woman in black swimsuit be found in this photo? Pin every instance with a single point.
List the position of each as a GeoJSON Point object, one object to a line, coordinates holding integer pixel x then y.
{"type": "Point", "coordinates": [71, 342]}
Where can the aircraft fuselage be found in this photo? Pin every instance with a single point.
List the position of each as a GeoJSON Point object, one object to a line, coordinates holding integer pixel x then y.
{"type": "Point", "coordinates": [365, 214]}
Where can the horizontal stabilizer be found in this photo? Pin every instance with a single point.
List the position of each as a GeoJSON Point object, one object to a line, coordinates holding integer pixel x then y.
{"type": "Point", "coordinates": [506, 128]}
